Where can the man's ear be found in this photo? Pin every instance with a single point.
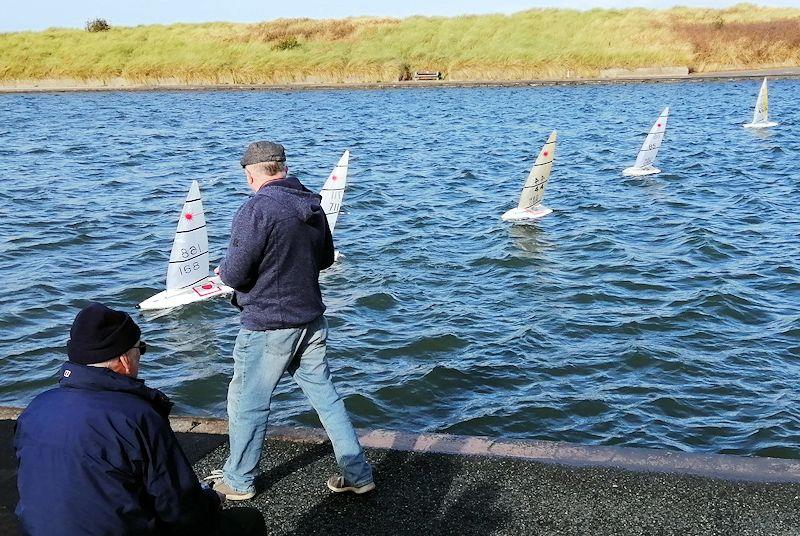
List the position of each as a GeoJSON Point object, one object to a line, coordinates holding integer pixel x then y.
{"type": "Point", "coordinates": [126, 364]}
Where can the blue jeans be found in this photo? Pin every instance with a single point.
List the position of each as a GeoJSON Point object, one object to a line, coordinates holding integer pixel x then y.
{"type": "Point", "coordinates": [259, 360]}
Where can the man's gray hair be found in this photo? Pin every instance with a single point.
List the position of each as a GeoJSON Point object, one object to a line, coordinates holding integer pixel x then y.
{"type": "Point", "coordinates": [109, 362]}
{"type": "Point", "coordinates": [266, 168]}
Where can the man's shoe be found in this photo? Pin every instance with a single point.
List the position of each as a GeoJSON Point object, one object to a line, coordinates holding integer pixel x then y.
{"type": "Point", "coordinates": [230, 493]}
{"type": "Point", "coordinates": [338, 484]}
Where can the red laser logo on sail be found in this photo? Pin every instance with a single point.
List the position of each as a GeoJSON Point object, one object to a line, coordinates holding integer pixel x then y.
{"type": "Point", "coordinates": [188, 216]}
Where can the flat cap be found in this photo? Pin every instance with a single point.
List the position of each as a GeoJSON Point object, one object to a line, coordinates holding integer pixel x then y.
{"type": "Point", "coordinates": [263, 151]}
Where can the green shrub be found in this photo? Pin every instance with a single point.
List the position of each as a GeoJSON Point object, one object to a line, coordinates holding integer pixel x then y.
{"type": "Point", "coordinates": [97, 25]}
{"type": "Point", "coordinates": [287, 43]}
{"type": "Point", "coordinates": [405, 72]}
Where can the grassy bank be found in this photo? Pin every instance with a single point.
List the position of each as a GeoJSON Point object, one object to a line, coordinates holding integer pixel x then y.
{"type": "Point", "coordinates": [548, 43]}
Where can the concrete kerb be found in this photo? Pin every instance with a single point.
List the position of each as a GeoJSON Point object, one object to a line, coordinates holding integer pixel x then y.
{"type": "Point", "coordinates": [721, 466]}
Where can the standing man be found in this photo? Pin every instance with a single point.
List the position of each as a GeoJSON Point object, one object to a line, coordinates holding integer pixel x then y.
{"type": "Point", "coordinates": [280, 241]}
{"type": "Point", "coordinates": [97, 454]}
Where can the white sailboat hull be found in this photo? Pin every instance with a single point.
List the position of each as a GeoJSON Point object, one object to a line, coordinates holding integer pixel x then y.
{"type": "Point", "coordinates": [526, 215]}
{"type": "Point", "coordinates": [640, 172]}
{"type": "Point", "coordinates": [761, 125]}
{"type": "Point", "coordinates": [203, 290]}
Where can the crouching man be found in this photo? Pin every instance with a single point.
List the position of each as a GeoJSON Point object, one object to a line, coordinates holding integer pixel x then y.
{"type": "Point", "coordinates": [97, 454]}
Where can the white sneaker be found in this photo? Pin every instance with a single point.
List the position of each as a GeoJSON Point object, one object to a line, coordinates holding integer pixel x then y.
{"type": "Point", "coordinates": [230, 493]}
{"type": "Point", "coordinates": [338, 484]}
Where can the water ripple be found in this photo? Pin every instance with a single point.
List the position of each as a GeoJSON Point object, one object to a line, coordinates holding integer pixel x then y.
{"type": "Point", "coordinates": [659, 311]}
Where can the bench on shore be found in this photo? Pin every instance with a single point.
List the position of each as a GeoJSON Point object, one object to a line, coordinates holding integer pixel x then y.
{"type": "Point", "coordinates": [427, 75]}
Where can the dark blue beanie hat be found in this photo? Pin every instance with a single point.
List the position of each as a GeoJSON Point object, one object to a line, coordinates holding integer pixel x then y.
{"type": "Point", "coordinates": [100, 333]}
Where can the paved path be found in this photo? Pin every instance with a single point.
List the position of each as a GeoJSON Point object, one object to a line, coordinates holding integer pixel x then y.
{"type": "Point", "coordinates": [429, 493]}
{"type": "Point", "coordinates": [58, 85]}
{"type": "Point", "coordinates": [425, 492]}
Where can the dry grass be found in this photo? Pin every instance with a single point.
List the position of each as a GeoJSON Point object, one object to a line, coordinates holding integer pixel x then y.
{"type": "Point", "coordinates": [309, 29]}
{"type": "Point", "coordinates": [721, 44]}
{"type": "Point", "coordinates": [540, 43]}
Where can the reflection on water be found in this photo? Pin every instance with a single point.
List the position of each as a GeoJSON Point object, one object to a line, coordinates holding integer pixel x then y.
{"type": "Point", "coordinates": [529, 238]}
{"type": "Point", "coordinates": [762, 133]}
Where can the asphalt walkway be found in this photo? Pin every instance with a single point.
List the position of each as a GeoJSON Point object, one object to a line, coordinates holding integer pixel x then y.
{"type": "Point", "coordinates": [421, 491]}
{"type": "Point", "coordinates": [119, 84]}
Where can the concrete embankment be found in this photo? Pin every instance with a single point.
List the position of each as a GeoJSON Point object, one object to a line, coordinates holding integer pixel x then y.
{"type": "Point", "coordinates": [613, 76]}
{"type": "Point", "coordinates": [443, 484]}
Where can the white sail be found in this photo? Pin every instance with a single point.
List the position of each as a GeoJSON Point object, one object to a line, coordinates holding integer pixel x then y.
{"type": "Point", "coordinates": [533, 191]}
{"type": "Point", "coordinates": [760, 115]}
{"type": "Point", "coordinates": [649, 150]}
{"type": "Point", "coordinates": [188, 261]}
{"type": "Point", "coordinates": [333, 190]}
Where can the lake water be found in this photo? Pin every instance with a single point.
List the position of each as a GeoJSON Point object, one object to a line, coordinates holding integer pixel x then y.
{"type": "Point", "coordinates": [658, 312]}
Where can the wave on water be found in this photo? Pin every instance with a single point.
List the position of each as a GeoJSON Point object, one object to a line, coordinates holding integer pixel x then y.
{"type": "Point", "coordinates": [659, 311]}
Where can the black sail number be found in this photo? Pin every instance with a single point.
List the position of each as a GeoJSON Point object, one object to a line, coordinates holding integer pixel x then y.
{"type": "Point", "coordinates": [189, 268]}
{"type": "Point", "coordinates": [190, 251]}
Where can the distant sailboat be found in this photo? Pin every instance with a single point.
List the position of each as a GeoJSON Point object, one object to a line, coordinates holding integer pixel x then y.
{"type": "Point", "coordinates": [647, 154]}
{"type": "Point", "coordinates": [761, 113]}
{"type": "Point", "coordinates": [333, 192]}
{"type": "Point", "coordinates": [530, 206]}
{"type": "Point", "coordinates": [188, 277]}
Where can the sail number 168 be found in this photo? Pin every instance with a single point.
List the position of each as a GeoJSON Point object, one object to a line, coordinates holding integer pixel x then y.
{"type": "Point", "coordinates": [189, 268]}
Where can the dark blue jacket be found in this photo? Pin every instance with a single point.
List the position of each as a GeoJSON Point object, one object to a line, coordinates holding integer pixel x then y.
{"type": "Point", "coordinates": [97, 456]}
{"type": "Point", "coordinates": [280, 240]}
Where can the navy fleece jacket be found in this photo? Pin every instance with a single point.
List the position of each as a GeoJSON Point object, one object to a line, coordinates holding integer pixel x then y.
{"type": "Point", "coordinates": [97, 456]}
{"type": "Point", "coordinates": [280, 241]}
